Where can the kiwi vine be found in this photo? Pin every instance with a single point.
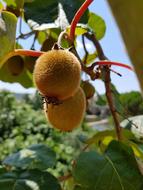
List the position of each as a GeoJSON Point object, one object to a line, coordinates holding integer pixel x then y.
{"type": "Point", "coordinates": [57, 75]}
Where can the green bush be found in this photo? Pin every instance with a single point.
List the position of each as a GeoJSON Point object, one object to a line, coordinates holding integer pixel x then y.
{"type": "Point", "coordinates": [132, 103]}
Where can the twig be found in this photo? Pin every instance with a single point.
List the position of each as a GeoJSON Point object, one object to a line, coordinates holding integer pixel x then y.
{"type": "Point", "coordinates": [34, 40]}
{"type": "Point", "coordinates": [20, 23]}
{"type": "Point", "coordinates": [26, 35]}
{"type": "Point", "coordinates": [64, 178]}
{"type": "Point", "coordinates": [89, 70]}
{"type": "Point", "coordinates": [84, 47]}
{"type": "Point", "coordinates": [115, 72]}
{"type": "Point", "coordinates": [99, 49]}
{"type": "Point", "coordinates": [107, 82]}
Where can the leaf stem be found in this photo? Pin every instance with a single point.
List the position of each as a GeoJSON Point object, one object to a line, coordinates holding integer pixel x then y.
{"type": "Point", "coordinates": [25, 52]}
{"type": "Point", "coordinates": [77, 17]}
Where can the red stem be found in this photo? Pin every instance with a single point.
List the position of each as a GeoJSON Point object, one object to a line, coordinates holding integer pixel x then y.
{"type": "Point", "coordinates": [32, 53]}
{"type": "Point", "coordinates": [114, 63]}
{"type": "Point", "coordinates": [77, 17]}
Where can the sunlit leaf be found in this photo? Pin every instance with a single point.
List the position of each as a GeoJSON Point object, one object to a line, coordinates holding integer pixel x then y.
{"type": "Point", "coordinates": [41, 37]}
{"type": "Point", "coordinates": [137, 150]}
{"type": "Point", "coordinates": [90, 58]}
{"type": "Point", "coordinates": [1, 6]}
{"type": "Point", "coordinates": [10, 2]}
{"type": "Point", "coordinates": [80, 29]}
{"type": "Point", "coordinates": [108, 134]}
{"type": "Point", "coordinates": [97, 24]}
{"type": "Point", "coordinates": [7, 34]}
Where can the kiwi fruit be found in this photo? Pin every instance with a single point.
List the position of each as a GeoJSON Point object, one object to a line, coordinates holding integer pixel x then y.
{"type": "Point", "coordinates": [69, 114]}
{"type": "Point", "coordinates": [88, 89]}
{"type": "Point", "coordinates": [30, 63]}
{"type": "Point", "coordinates": [15, 65]}
{"type": "Point", "coordinates": [13, 10]}
{"type": "Point", "coordinates": [57, 74]}
{"type": "Point", "coordinates": [48, 44]}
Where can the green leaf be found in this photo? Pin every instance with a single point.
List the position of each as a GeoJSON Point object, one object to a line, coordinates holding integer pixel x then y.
{"type": "Point", "coordinates": [136, 149]}
{"type": "Point", "coordinates": [90, 58]}
{"type": "Point", "coordinates": [8, 23]}
{"type": "Point", "coordinates": [28, 180]}
{"type": "Point", "coordinates": [72, 9]}
{"type": "Point", "coordinates": [97, 24]}
{"type": "Point", "coordinates": [35, 157]}
{"type": "Point", "coordinates": [80, 29]}
{"type": "Point", "coordinates": [10, 2]}
{"type": "Point", "coordinates": [117, 169]}
{"type": "Point", "coordinates": [41, 37]}
{"type": "Point", "coordinates": [47, 11]}
{"type": "Point", "coordinates": [18, 4]}
{"type": "Point", "coordinates": [124, 162]}
{"type": "Point", "coordinates": [1, 6]}
{"type": "Point", "coordinates": [102, 136]}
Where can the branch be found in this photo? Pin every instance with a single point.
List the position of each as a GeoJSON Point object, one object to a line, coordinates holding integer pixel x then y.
{"type": "Point", "coordinates": [107, 80]}
{"type": "Point", "coordinates": [34, 40]}
{"type": "Point", "coordinates": [96, 43]}
{"type": "Point", "coordinates": [89, 70]}
{"type": "Point", "coordinates": [64, 178]}
{"type": "Point", "coordinates": [26, 35]}
{"type": "Point", "coordinates": [84, 47]}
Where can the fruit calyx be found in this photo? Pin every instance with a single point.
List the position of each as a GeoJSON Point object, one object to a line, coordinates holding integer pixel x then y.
{"type": "Point", "coordinates": [51, 100]}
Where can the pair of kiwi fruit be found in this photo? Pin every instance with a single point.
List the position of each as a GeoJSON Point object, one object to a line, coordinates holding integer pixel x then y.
{"type": "Point", "coordinates": [57, 76]}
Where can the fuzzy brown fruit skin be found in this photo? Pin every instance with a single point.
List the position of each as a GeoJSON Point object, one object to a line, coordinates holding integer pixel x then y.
{"type": "Point", "coordinates": [15, 65]}
{"type": "Point", "coordinates": [69, 114]}
{"type": "Point", "coordinates": [57, 74]}
{"type": "Point", "coordinates": [48, 44]}
{"type": "Point", "coordinates": [30, 63]}
{"type": "Point", "coordinates": [88, 89]}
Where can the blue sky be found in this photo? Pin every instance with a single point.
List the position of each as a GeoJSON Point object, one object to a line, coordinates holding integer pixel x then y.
{"type": "Point", "coordinates": [113, 47]}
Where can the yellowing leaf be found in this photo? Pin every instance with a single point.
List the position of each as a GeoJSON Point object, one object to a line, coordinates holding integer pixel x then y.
{"type": "Point", "coordinates": [8, 23]}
